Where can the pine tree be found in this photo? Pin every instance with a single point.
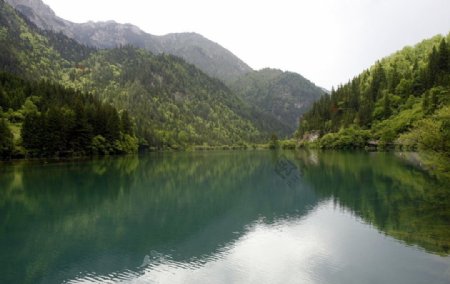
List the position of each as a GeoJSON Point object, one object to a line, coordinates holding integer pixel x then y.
{"type": "Point", "coordinates": [443, 63]}
{"type": "Point", "coordinates": [354, 96]}
{"type": "Point", "coordinates": [443, 55]}
{"type": "Point", "coordinates": [419, 79]}
{"type": "Point", "coordinates": [426, 103]}
{"type": "Point", "coordinates": [387, 106]}
{"type": "Point", "coordinates": [394, 80]}
{"type": "Point", "coordinates": [31, 132]}
{"type": "Point", "coordinates": [112, 126]}
{"type": "Point", "coordinates": [54, 134]}
{"type": "Point", "coordinates": [433, 67]}
{"type": "Point", "coordinates": [81, 134]}
{"type": "Point", "coordinates": [273, 141]}
{"type": "Point", "coordinates": [365, 113]}
{"type": "Point", "coordinates": [434, 101]}
{"type": "Point", "coordinates": [126, 124]}
{"type": "Point", "coordinates": [6, 140]}
{"type": "Point", "coordinates": [378, 82]}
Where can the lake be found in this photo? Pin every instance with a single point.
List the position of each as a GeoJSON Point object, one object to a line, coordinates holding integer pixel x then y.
{"type": "Point", "coordinates": [225, 217]}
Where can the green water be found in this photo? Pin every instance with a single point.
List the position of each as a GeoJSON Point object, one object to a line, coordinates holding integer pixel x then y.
{"type": "Point", "coordinates": [225, 217]}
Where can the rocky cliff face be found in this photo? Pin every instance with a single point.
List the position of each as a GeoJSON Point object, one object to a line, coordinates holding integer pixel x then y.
{"type": "Point", "coordinates": [207, 55]}
{"type": "Point", "coordinates": [40, 14]}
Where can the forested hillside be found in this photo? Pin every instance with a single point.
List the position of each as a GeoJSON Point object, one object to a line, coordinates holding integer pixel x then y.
{"type": "Point", "coordinates": [42, 119]}
{"type": "Point", "coordinates": [284, 95]}
{"type": "Point", "coordinates": [402, 100]}
{"type": "Point", "coordinates": [172, 103]}
{"type": "Point", "coordinates": [208, 56]}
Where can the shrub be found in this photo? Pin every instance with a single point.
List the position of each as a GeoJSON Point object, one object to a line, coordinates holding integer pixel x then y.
{"type": "Point", "coordinates": [346, 138]}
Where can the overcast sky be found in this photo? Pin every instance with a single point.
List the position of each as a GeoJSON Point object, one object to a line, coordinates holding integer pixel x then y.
{"type": "Point", "coordinates": [327, 41]}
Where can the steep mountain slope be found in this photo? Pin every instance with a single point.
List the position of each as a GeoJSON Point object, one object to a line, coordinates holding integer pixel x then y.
{"type": "Point", "coordinates": [209, 56]}
{"type": "Point", "coordinates": [284, 95]}
{"type": "Point", "coordinates": [27, 51]}
{"type": "Point", "coordinates": [403, 99]}
{"type": "Point", "coordinates": [173, 103]}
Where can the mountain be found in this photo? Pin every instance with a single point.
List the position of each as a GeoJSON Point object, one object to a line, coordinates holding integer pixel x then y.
{"type": "Point", "coordinates": [171, 102]}
{"type": "Point", "coordinates": [269, 93]}
{"type": "Point", "coordinates": [284, 95]}
{"type": "Point", "coordinates": [174, 103]}
{"type": "Point", "coordinates": [402, 100]}
{"type": "Point", "coordinates": [207, 55]}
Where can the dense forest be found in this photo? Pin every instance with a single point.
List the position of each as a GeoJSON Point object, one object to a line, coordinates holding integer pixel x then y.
{"type": "Point", "coordinates": [43, 119]}
{"type": "Point", "coordinates": [403, 100]}
{"type": "Point", "coordinates": [172, 103]}
{"type": "Point", "coordinates": [284, 95]}
{"type": "Point", "coordinates": [52, 83]}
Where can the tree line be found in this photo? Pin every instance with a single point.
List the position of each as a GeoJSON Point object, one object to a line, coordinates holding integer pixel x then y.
{"type": "Point", "coordinates": [385, 101]}
{"type": "Point", "coordinates": [53, 121]}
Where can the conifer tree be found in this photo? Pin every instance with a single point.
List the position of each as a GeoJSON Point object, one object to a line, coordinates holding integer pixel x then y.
{"type": "Point", "coordinates": [6, 140]}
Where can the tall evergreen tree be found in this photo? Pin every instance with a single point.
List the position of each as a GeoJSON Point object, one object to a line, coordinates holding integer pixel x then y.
{"type": "Point", "coordinates": [433, 67]}
{"type": "Point", "coordinates": [378, 82]}
{"type": "Point", "coordinates": [6, 140]}
{"type": "Point", "coordinates": [387, 111]}
{"type": "Point", "coordinates": [81, 134]}
{"type": "Point", "coordinates": [31, 132]}
{"type": "Point", "coordinates": [443, 56]}
{"type": "Point", "coordinates": [426, 103]}
{"type": "Point", "coordinates": [126, 124]}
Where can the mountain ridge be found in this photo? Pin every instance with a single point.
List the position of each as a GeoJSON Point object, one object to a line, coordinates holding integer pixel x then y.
{"type": "Point", "coordinates": [283, 94]}
{"type": "Point", "coordinates": [207, 55]}
{"type": "Point", "coordinates": [173, 103]}
{"type": "Point", "coordinates": [286, 99]}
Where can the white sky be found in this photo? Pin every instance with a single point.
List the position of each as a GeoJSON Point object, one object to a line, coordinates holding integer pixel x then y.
{"type": "Point", "coordinates": [327, 41]}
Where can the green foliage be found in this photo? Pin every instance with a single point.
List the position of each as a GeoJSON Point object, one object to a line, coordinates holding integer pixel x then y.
{"type": "Point", "coordinates": [398, 123]}
{"type": "Point", "coordinates": [100, 146]}
{"type": "Point", "coordinates": [289, 144]}
{"type": "Point", "coordinates": [398, 93]}
{"type": "Point", "coordinates": [346, 138]}
{"type": "Point", "coordinates": [392, 193]}
{"type": "Point", "coordinates": [168, 102]}
{"type": "Point", "coordinates": [56, 121]}
{"type": "Point", "coordinates": [125, 123]}
{"type": "Point", "coordinates": [274, 143]}
{"type": "Point", "coordinates": [283, 95]}
{"type": "Point", "coordinates": [431, 133]}
{"type": "Point", "coordinates": [172, 103]}
{"type": "Point", "coordinates": [6, 139]}
{"type": "Point", "coordinates": [26, 50]}
{"type": "Point", "coordinates": [127, 144]}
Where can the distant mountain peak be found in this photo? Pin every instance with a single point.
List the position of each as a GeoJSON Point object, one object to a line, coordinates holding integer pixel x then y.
{"type": "Point", "coordinates": [207, 55]}
{"type": "Point", "coordinates": [39, 13]}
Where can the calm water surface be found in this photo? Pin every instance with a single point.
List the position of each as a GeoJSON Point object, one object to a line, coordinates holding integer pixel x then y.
{"type": "Point", "coordinates": [225, 217]}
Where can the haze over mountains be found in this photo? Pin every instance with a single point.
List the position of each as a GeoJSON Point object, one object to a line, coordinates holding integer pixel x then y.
{"type": "Point", "coordinates": [284, 95]}
{"type": "Point", "coordinates": [209, 56]}
{"type": "Point", "coordinates": [172, 103]}
{"type": "Point", "coordinates": [175, 104]}
{"type": "Point", "coordinates": [284, 102]}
